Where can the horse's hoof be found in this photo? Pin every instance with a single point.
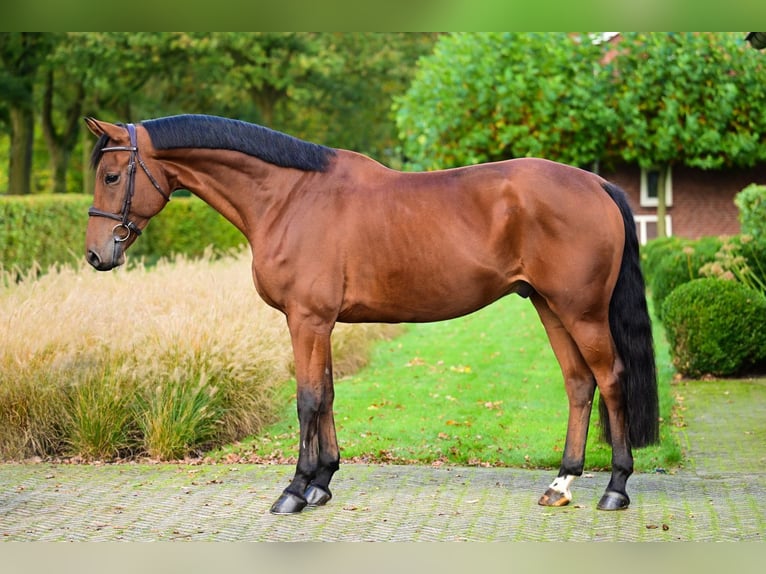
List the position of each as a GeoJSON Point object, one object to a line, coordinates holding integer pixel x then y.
{"type": "Point", "coordinates": [288, 503]}
{"type": "Point", "coordinates": [316, 495]}
{"type": "Point", "coordinates": [613, 501]}
{"type": "Point", "coordinates": [553, 498]}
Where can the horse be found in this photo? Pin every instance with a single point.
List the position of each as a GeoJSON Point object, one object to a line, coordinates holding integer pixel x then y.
{"type": "Point", "coordinates": [338, 237]}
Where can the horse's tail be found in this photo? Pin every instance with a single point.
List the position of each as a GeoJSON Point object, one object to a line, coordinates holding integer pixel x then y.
{"type": "Point", "coordinates": [632, 333]}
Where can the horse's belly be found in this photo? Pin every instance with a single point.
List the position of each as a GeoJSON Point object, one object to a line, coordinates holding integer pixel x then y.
{"type": "Point", "coordinates": [430, 300]}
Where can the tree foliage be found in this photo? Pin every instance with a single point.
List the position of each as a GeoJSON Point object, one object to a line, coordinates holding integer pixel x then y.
{"type": "Point", "coordinates": [484, 97]}
{"type": "Point", "coordinates": [657, 99]}
{"type": "Point", "coordinates": [21, 55]}
{"type": "Point", "coordinates": [697, 99]}
{"type": "Point", "coordinates": [330, 88]}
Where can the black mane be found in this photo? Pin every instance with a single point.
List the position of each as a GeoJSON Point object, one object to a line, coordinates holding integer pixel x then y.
{"type": "Point", "coordinates": [211, 132]}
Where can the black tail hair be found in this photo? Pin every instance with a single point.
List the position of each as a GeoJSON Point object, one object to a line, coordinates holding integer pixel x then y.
{"type": "Point", "coordinates": [632, 333]}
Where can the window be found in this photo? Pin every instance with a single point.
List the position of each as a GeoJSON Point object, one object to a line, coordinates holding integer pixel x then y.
{"type": "Point", "coordinates": [646, 227]}
{"type": "Point", "coordinates": [650, 179]}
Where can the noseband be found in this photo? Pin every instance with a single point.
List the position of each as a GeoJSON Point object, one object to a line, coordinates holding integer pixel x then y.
{"type": "Point", "coordinates": [123, 229]}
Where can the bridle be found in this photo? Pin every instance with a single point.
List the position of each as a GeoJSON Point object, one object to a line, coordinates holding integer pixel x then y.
{"type": "Point", "coordinates": [121, 232]}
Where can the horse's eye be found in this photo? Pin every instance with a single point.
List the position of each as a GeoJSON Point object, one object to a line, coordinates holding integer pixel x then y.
{"type": "Point", "coordinates": [111, 178]}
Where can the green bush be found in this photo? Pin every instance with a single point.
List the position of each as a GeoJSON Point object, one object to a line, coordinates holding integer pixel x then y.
{"type": "Point", "coordinates": [655, 251]}
{"type": "Point", "coordinates": [45, 230]}
{"type": "Point", "coordinates": [751, 203]}
{"type": "Point", "coordinates": [675, 261]}
{"type": "Point", "coordinates": [715, 327]}
{"type": "Point", "coordinates": [42, 229]}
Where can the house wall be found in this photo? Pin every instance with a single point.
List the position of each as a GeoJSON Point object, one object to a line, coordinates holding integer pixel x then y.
{"type": "Point", "coordinates": [703, 201]}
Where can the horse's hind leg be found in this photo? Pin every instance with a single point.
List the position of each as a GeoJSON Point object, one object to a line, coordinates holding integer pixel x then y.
{"type": "Point", "coordinates": [580, 386]}
{"type": "Point", "coordinates": [318, 457]}
{"type": "Point", "coordinates": [595, 341]}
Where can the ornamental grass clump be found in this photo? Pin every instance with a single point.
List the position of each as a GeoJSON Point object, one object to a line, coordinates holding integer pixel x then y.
{"type": "Point", "coordinates": [741, 258]}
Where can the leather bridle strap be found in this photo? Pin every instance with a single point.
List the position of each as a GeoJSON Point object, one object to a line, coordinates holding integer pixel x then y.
{"type": "Point", "coordinates": [121, 232]}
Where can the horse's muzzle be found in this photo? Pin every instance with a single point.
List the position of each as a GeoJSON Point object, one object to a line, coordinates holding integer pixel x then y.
{"type": "Point", "coordinates": [100, 263]}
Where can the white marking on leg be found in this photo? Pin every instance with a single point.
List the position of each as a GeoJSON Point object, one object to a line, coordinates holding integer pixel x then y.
{"type": "Point", "coordinates": [562, 484]}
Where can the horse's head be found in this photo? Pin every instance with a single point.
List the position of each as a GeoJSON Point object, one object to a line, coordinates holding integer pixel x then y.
{"type": "Point", "coordinates": [125, 197]}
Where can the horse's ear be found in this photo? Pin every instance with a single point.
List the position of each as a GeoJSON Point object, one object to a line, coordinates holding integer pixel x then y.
{"type": "Point", "coordinates": [99, 128]}
{"type": "Point", "coordinates": [94, 126]}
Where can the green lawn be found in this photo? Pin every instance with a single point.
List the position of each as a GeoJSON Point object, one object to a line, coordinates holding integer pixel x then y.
{"type": "Point", "coordinates": [482, 389]}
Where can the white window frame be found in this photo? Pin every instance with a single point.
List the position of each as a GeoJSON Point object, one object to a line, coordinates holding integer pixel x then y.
{"type": "Point", "coordinates": [646, 199]}
{"type": "Point", "coordinates": [642, 222]}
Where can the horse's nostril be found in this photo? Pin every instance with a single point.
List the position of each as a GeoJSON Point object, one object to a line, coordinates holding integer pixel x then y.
{"type": "Point", "coordinates": [93, 258]}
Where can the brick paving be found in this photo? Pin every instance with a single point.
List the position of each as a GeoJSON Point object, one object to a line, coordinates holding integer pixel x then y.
{"type": "Point", "coordinates": [718, 496]}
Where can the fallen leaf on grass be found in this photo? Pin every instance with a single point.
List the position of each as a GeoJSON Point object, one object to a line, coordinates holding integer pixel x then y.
{"type": "Point", "coordinates": [453, 423]}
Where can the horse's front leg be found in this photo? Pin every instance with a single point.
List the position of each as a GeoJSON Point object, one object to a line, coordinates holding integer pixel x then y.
{"type": "Point", "coordinates": [318, 457]}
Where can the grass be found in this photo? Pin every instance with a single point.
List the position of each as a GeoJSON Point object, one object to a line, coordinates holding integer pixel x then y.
{"type": "Point", "coordinates": [479, 390]}
{"type": "Point", "coordinates": [161, 362]}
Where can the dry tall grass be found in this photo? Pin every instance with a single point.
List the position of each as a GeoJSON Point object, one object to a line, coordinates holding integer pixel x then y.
{"type": "Point", "coordinates": [156, 361]}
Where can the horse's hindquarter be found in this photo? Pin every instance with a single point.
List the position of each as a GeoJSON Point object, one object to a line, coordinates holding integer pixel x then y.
{"type": "Point", "coordinates": [573, 234]}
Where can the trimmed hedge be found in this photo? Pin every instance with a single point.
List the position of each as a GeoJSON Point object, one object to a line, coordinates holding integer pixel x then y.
{"type": "Point", "coordinates": [50, 229]}
{"type": "Point", "coordinates": [42, 229]}
{"type": "Point", "coordinates": [715, 327]}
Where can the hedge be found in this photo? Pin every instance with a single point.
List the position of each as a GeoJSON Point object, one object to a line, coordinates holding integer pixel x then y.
{"type": "Point", "coordinates": [671, 262]}
{"type": "Point", "coordinates": [715, 327]}
{"type": "Point", "coordinates": [50, 229]}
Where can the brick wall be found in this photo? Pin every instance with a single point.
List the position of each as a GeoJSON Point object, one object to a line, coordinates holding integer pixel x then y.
{"type": "Point", "coordinates": [703, 201]}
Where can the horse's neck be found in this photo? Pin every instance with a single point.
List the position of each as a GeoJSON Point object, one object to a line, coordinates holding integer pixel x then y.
{"type": "Point", "coordinates": [239, 187]}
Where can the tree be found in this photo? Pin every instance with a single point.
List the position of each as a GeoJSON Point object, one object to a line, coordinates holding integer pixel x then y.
{"type": "Point", "coordinates": [658, 100]}
{"type": "Point", "coordinates": [21, 54]}
{"type": "Point", "coordinates": [255, 72]}
{"type": "Point", "coordinates": [485, 97]}
{"type": "Point", "coordinates": [697, 99]}
{"type": "Point", "coordinates": [105, 71]}
{"type": "Point", "coordinates": [332, 88]}
{"type": "Point", "coordinates": [61, 142]}
{"type": "Point", "coordinates": [347, 102]}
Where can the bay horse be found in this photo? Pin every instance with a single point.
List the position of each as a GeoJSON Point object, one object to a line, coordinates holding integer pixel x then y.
{"type": "Point", "coordinates": [338, 237]}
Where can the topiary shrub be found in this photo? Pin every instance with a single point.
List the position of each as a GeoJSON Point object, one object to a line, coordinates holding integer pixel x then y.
{"type": "Point", "coordinates": [676, 262]}
{"type": "Point", "coordinates": [715, 327]}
